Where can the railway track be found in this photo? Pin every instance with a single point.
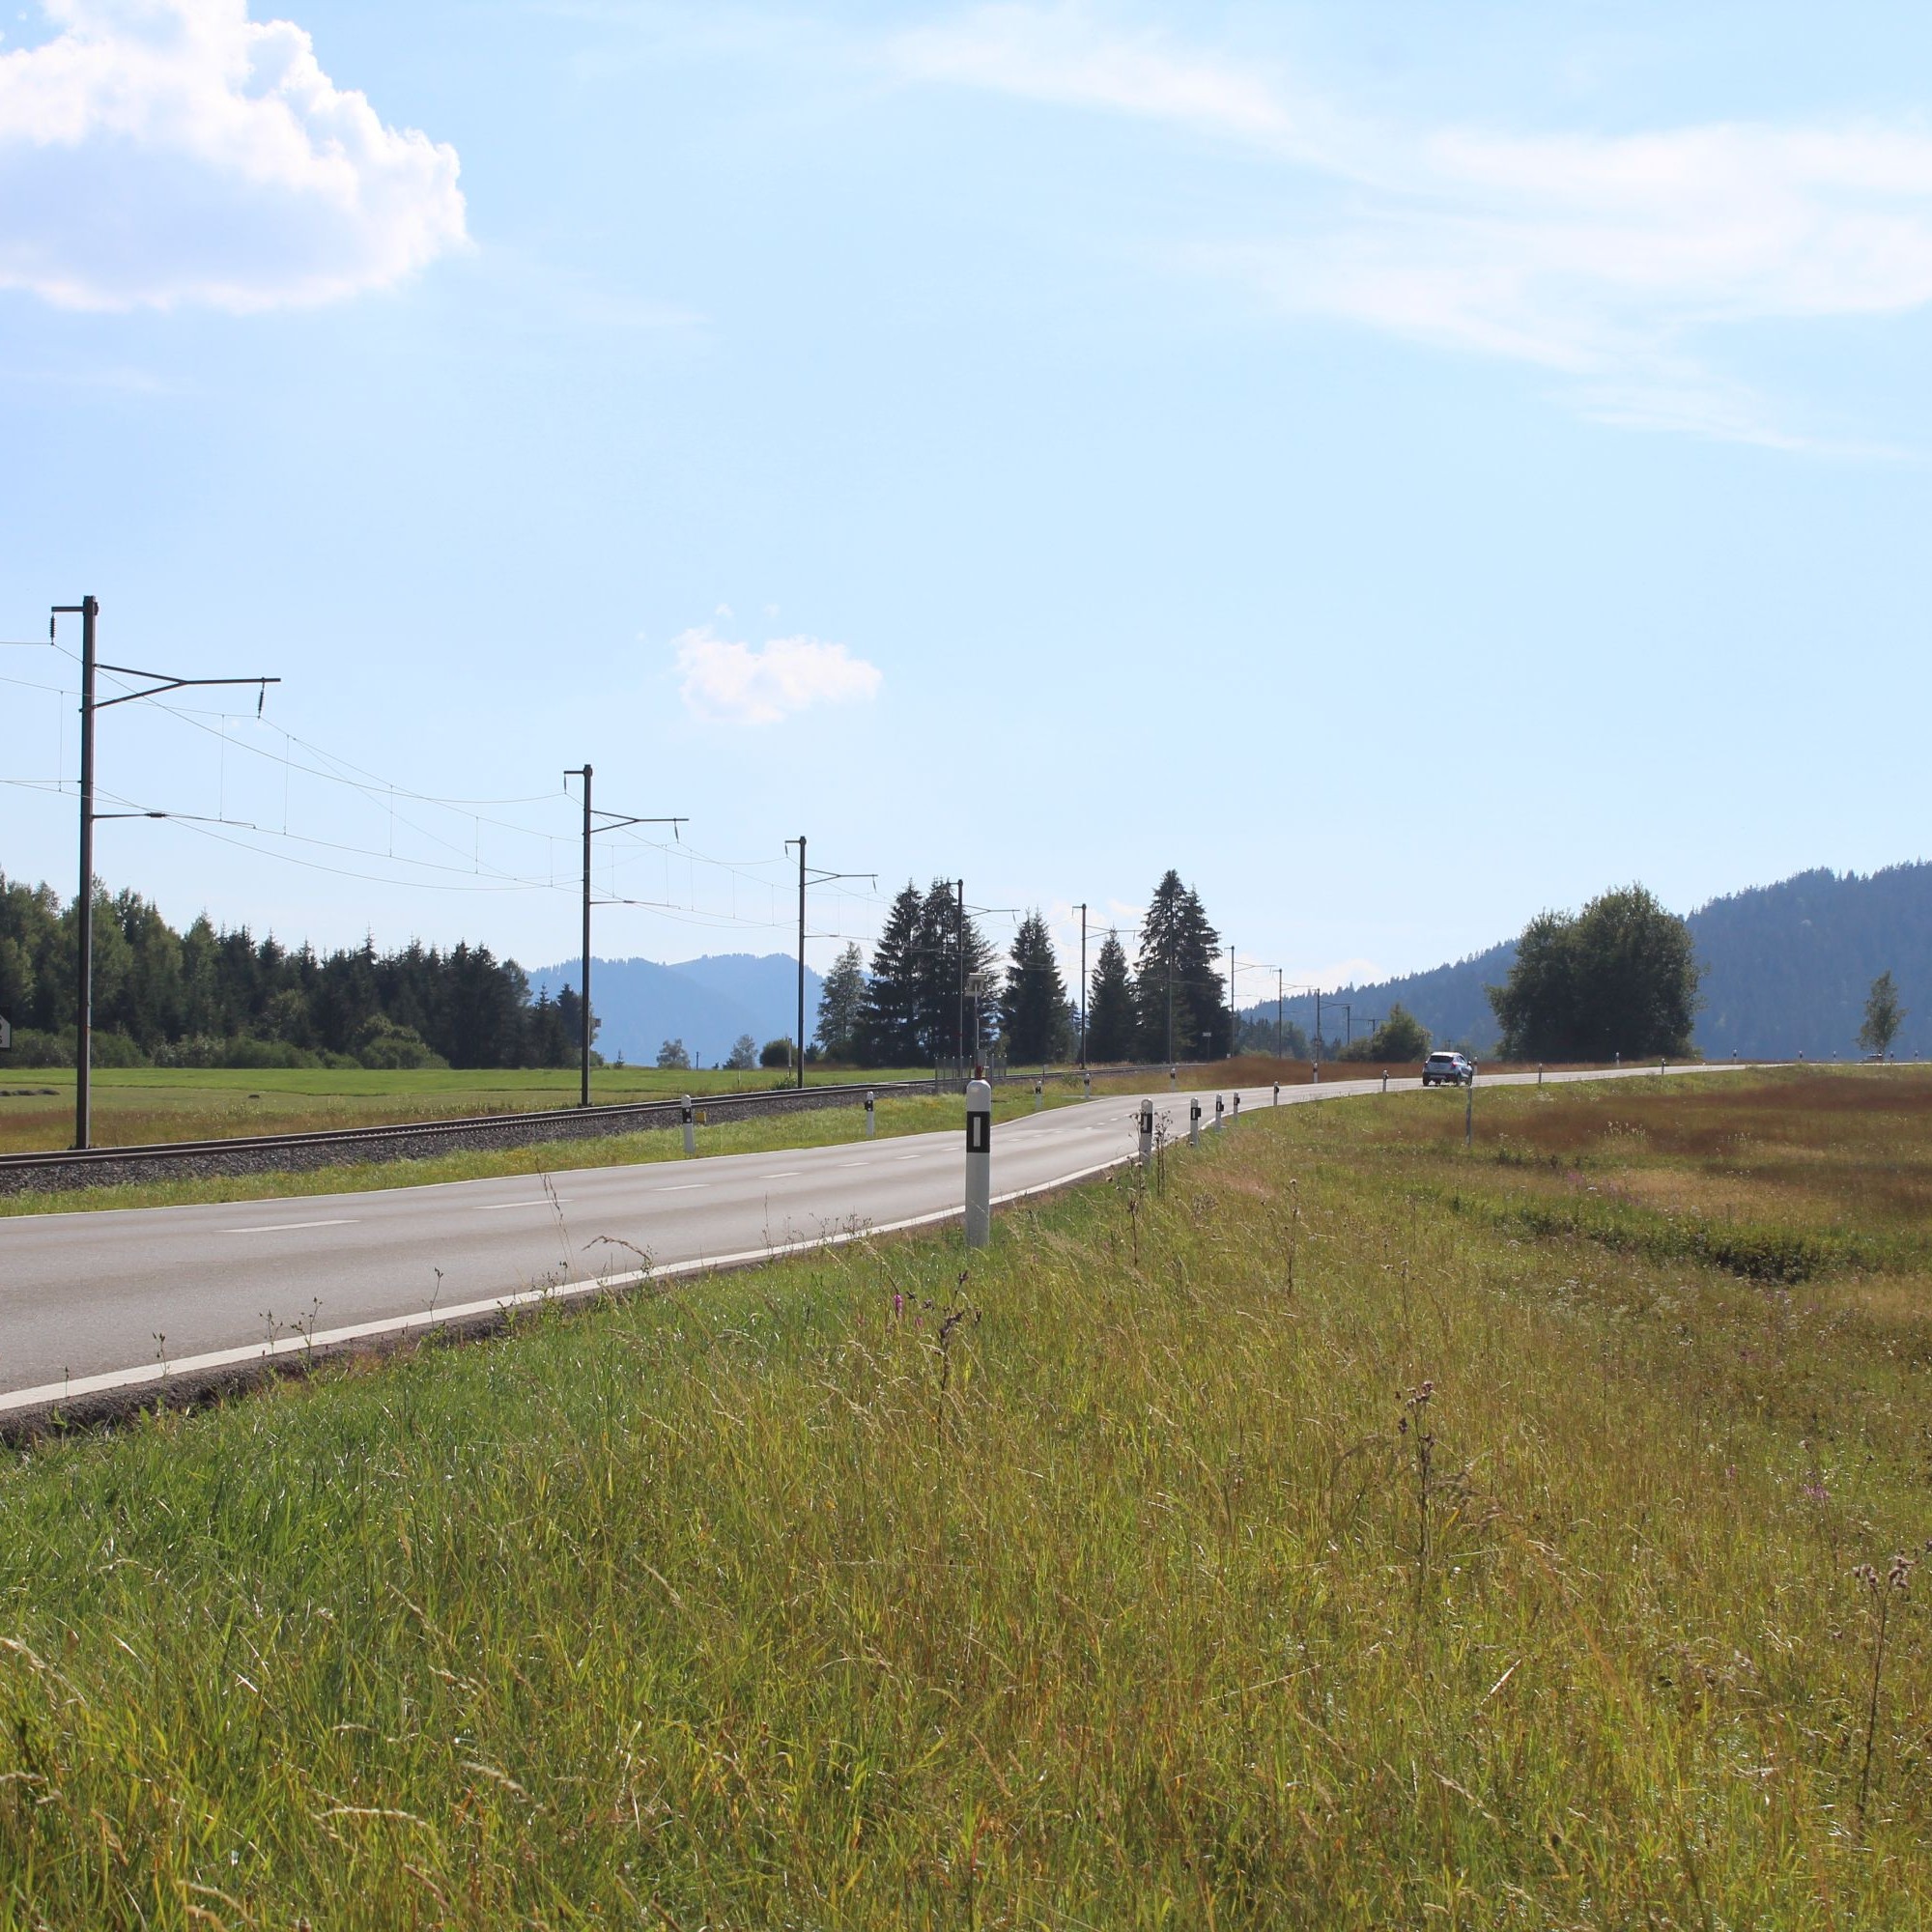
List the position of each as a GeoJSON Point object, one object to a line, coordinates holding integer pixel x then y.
{"type": "Point", "coordinates": [411, 1140]}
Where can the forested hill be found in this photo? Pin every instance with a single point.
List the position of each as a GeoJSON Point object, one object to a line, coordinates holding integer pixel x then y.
{"type": "Point", "coordinates": [1786, 969]}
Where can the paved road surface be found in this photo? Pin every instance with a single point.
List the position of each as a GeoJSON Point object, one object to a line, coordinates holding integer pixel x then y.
{"type": "Point", "coordinates": [83, 1297]}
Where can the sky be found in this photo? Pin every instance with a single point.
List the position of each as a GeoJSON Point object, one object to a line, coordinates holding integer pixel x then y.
{"type": "Point", "coordinates": [1403, 466]}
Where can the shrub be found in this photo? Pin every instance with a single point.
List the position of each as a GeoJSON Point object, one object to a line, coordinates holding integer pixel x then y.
{"type": "Point", "coordinates": [32, 1048]}
{"type": "Point", "coordinates": [777, 1053]}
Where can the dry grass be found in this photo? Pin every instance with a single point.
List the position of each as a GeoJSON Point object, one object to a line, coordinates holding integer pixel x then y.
{"type": "Point", "coordinates": [1286, 1548]}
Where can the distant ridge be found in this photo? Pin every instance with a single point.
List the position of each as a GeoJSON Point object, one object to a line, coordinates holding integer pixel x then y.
{"type": "Point", "coordinates": [1786, 969]}
{"type": "Point", "coordinates": [706, 1003]}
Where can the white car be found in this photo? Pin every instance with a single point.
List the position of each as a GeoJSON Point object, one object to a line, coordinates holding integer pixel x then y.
{"type": "Point", "coordinates": [1447, 1070]}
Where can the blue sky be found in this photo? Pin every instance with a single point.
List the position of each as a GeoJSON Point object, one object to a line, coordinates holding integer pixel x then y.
{"type": "Point", "coordinates": [1404, 467]}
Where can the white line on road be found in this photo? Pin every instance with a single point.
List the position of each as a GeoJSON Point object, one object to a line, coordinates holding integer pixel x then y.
{"type": "Point", "coordinates": [785, 1174]}
{"type": "Point", "coordinates": [681, 1187]}
{"type": "Point", "coordinates": [502, 1206]}
{"type": "Point", "coordinates": [287, 1227]}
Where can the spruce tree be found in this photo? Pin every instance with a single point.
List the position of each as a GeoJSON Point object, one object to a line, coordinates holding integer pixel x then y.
{"type": "Point", "coordinates": [889, 1031]}
{"type": "Point", "coordinates": [1033, 1003]}
{"type": "Point", "coordinates": [1182, 1008]}
{"type": "Point", "coordinates": [1110, 1005]}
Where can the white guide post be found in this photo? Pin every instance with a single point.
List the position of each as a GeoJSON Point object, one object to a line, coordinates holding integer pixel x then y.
{"type": "Point", "coordinates": [1220, 1108]}
{"type": "Point", "coordinates": [1277, 1092]}
{"type": "Point", "coordinates": [1147, 1131]}
{"type": "Point", "coordinates": [1087, 1082]}
{"type": "Point", "coordinates": [1194, 1122]}
{"type": "Point", "coordinates": [979, 1163]}
{"type": "Point", "coordinates": [1038, 1095]}
{"type": "Point", "coordinates": [1237, 1111]}
{"type": "Point", "coordinates": [690, 1117]}
{"type": "Point", "coordinates": [871, 1119]}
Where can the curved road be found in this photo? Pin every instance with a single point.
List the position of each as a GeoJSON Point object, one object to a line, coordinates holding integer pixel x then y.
{"type": "Point", "coordinates": [120, 1298]}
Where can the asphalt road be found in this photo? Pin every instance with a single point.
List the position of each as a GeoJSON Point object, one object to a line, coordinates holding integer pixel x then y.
{"type": "Point", "coordinates": [96, 1301]}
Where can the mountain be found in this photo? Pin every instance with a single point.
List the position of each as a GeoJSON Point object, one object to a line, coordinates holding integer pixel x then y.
{"type": "Point", "coordinates": [706, 1003]}
{"type": "Point", "coordinates": [1786, 970]}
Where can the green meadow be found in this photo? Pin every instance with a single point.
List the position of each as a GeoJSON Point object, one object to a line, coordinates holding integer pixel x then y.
{"type": "Point", "coordinates": [1333, 1527]}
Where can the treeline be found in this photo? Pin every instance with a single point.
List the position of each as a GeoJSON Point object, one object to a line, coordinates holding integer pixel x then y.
{"type": "Point", "coordinates": [217, 998]}
{"type": "Point", "coordinates": [1168, 1003]}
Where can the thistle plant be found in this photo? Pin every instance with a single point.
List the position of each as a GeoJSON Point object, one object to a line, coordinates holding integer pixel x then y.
{"type": "Point", "coordinates": [1881, 1593]}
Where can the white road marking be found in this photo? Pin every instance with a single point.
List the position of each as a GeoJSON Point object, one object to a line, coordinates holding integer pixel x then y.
{"type": "Point", "coordinates": [502, 1206]}
{"type": "Point", "coordinates": [287, 1227]}
{"type": "Point", "coordinates": [785, 1174]}
{"type": "Point", "coordinates": [680, 1187]}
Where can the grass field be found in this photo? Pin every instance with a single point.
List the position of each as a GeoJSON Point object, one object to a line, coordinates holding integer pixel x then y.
{"type": "Point", "coordinates": [137, 1106]}
{"type": "Point", "coordinates": [1347, 1531]}
{"type": "Point", "coordinates": [133, 1106]}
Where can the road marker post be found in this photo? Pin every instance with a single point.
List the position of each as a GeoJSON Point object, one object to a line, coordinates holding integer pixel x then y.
{"type": "Point", "coordinates": [979, 1163]}
{"type": "Point", "coordinates": [872, 1118]}
{"type": "Point", "coordinates": [1315, 1073]}
{"type": "Point", "coordinates": [1277, 1092]}
{"type": "Point", "coordinates": [1469, 1112]}
{"type": "Point", "coordinates": [1146, 1132]}
{"type": "Point", "coordinates": [1237, 1108]}
{"type": "Point", "coordinates": [690, 1120]}
{"type": "Point", "coordinates": [1038, 1095]}
{"type": "Point", "coordinates": [1172, 1078]}
{"type": "Point", "coordinates": [1087, 1081]}
{"type": "Point", "coordinates": [1539, 1073]}
{"type": "Point", "coordinates": [1386, 1079]}
{"type": "Point", "coordinates": [1194, 1122]}
{"type": "Point", "coordinates": [1219, 1109]}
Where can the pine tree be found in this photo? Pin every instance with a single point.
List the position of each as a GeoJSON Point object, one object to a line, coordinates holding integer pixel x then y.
{"type": "Point", "coordinates": [841, 1005]}
{"type": "Point", "coordinates": [1110, 1007]}
{"type": "Point", "coordinates": [889, 1034]}
{"type": "Point", "coordinates": [944, 1016]}
{"type": "Point", "coordinates": [1182, 1008]}
{"type": "Point", "coordinates": [1033, 1003]}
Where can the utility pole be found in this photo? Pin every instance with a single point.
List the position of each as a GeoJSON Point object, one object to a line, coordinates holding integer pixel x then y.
{"type": "Point", "coordinates": [1279, 1034]}
{"type": "Point", "coordinates": [1234, 1017]}
{"type": "Point", "coordinates": [959, 944]}
{"type": "Point", "coordinates": [1082, 985]}
{"type": "Point", "coordinates": [88, 609]}
{"type": "Point", "coordinates": [819, 878]}
{"type": "Point", "coordinates": [1318, 1027]}
{"type": "Point", "coordinates": [616, 822]}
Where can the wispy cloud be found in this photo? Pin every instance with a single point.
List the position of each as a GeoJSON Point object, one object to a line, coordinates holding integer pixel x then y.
{"type": "Point", "coordinates": [154, 153]}
{"type": "Point", "coordinates": [727, 683]}
{"type": "Point", "coordinates": [1608, 261]}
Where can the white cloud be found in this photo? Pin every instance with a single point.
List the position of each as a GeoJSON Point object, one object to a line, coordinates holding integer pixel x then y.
{"type": "Point", "coordinates": [1611, 261]}
{"type": "Point", "coordinates": [732, 684]}
{"type": "Point", "coordinates": [154, 153]}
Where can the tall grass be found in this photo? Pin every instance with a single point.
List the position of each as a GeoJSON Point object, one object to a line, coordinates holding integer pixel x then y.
{"type": "Point", "coordinates": [1049, 1586]}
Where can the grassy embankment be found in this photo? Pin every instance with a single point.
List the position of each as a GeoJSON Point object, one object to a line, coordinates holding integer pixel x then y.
{"type": "Point", "coordinates": [134, 1106]}
{"type": "Point", "coordinates": [1352, 1532]}
{"type": "Point", "coordinates": [824, 1127]}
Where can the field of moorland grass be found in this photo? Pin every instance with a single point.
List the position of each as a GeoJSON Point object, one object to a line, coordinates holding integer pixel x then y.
{"type": "Point", "coordinates": [137, 1105]}
{"type": "Point", "coordinates": [1309, 1540]}
{"type": "Point", "coordinates": [825, 1127]}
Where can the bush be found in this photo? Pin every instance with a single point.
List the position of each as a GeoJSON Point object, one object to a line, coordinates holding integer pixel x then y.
{"type": "Point", "coordinates": [32, 1048]}
{"type": "Point", "coordinates": [382, 1043]}
{"type": "Point", "coordinates": [115, 1049]}
{"type": "Point", "coordinates": [672, 1057]}
{"type": "Point", "coordinates": [777, 1053]}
